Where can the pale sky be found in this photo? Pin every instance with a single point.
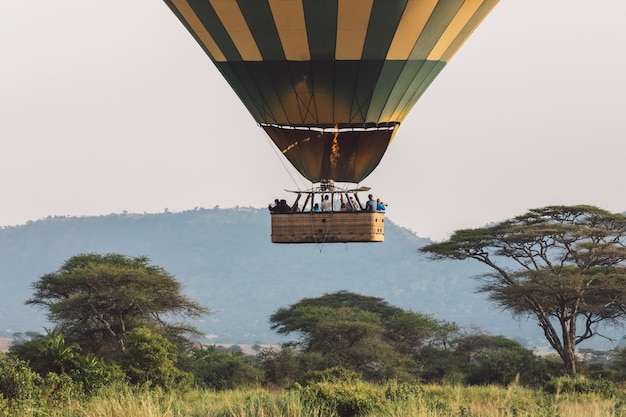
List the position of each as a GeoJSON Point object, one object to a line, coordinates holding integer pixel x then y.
{"type": "Point", "coordinates": [108, 106]}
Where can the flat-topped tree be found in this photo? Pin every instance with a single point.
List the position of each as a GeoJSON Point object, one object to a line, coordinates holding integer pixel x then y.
{"type": "Point", "coordinates": [361, 333]}
{"type": "Point", "coordinates": [562, 265]}
{"type": "Point", "coordinates": [96, 300]}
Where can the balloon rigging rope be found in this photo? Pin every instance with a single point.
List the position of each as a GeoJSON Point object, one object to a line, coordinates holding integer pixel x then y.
{"type": "Point", "coordinates": [281, 158]}
{"type": "Point", "coordinates": [319, 244]}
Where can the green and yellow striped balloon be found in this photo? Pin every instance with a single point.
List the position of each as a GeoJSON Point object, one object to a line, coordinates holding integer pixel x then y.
{"type": "Point", "coordinates": [330, 81]}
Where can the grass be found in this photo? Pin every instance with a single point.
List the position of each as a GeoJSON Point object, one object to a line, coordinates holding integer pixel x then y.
{"type": "Point", "coordinates": [432, 401]}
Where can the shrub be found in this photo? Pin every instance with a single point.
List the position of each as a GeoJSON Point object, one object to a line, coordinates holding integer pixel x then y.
{"type": "Point", "coordinates": [150, 359]}
{"type": "Point", "coordinates": [347, 399]}
{"type": "Point", "coordinates": [92, 373]}
{"type": "Point", "coordinates": [17, 380]}
{"type": "Point", "coordinates": [582, 385]}
{"type": "Point", "coordinates": [23, 389]}
{"type": "Point", "coordinates": [51, 354]}
{"type": "Point", "coordinates": [504, 365]}
{"type": "Point", "coordinates": [334, 374]}
{"type": "Point", "coordinates": [4, 406]}
{"type": "Point", "coordinates": [58, 389]}
{"type": "Point", "coordinates": [222, 370]}
{"type": "Point", "coordinates": [404, 391]}
{"type": "Point", "coordinates": [283, 367]}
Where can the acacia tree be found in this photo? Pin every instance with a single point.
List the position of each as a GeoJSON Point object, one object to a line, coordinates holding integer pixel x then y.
{"type": "Point", "coordinates": [357, 332]}
{"type": "Point", "coordinates": [96, 300]}
{"type": "Point", "coordinates": [562, 265]}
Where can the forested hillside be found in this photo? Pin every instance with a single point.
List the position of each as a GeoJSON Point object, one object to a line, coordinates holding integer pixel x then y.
{"type": "Point", "coordinates": [225, 260]}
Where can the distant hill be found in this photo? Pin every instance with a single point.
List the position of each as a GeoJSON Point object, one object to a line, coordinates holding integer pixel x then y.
{"type": "Point", "coordinates": [225, 260]}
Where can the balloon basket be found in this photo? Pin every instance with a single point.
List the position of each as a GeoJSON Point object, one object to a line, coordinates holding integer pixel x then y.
{"type": "Point", "coordinates": [328, 227]}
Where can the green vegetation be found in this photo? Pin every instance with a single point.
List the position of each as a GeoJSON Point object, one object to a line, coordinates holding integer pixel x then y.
{"type": "Point", "coordinates": [561, 265]}
{"type": "Point", "coordinates": [327, 399]}
{"type": "Point", "coordinates": [95, 300]}
{"type": "Point", "coordinates": [112, 353]}
{"type": "Point", "coordinates": [439, 371]}
{"type": "Point", "coordinates": [360, 333]}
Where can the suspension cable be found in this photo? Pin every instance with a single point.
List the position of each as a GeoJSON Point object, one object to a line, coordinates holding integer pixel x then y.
{"type": "Point", "coordinates": [282, 159]}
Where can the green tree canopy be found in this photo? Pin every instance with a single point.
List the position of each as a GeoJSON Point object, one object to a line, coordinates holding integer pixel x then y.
{"type": "Point", "coordinates": [95, 300]}
{"type": "Point", "coordinates": [357, 332]}
{"type": "Point", "coordinates": [562, 265]}
{"type": "Point", "coordinates": [498, 360]}
{"type": "Point", "coordinates": [151, 358]}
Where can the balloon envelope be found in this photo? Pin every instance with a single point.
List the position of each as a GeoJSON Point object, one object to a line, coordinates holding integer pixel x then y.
{"type": "Point", "coordinates": [330, 81]}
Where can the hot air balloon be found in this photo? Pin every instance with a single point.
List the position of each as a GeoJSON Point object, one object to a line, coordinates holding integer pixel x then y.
{"type": "Point", "coordinates": [330, 81]}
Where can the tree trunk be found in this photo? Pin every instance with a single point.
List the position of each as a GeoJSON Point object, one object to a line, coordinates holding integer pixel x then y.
{"type": "Point", "coordinates": [569, 346]}
{"type": "Point", "coordinates": [569, 361]}
{"type": "Point", "coordinates": [564, 346]}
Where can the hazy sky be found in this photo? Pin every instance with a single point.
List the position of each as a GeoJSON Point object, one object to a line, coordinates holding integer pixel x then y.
{"type": "Point", "coordinates": [108, 106]}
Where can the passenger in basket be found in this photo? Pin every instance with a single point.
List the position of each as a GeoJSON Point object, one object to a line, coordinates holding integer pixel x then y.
{"type": "Point", "coordinates": [276, 203]}
{"type": "Point", "coordinates": [353, 205]}
{"type": "Point", "coordinates": [371, 203]}
{"type": "Point", "coordinates": [326, 205]}
{"type": "Point", "coordinates": [282, 207]}
{"type": "Point", "coordinates": [380, 206]}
